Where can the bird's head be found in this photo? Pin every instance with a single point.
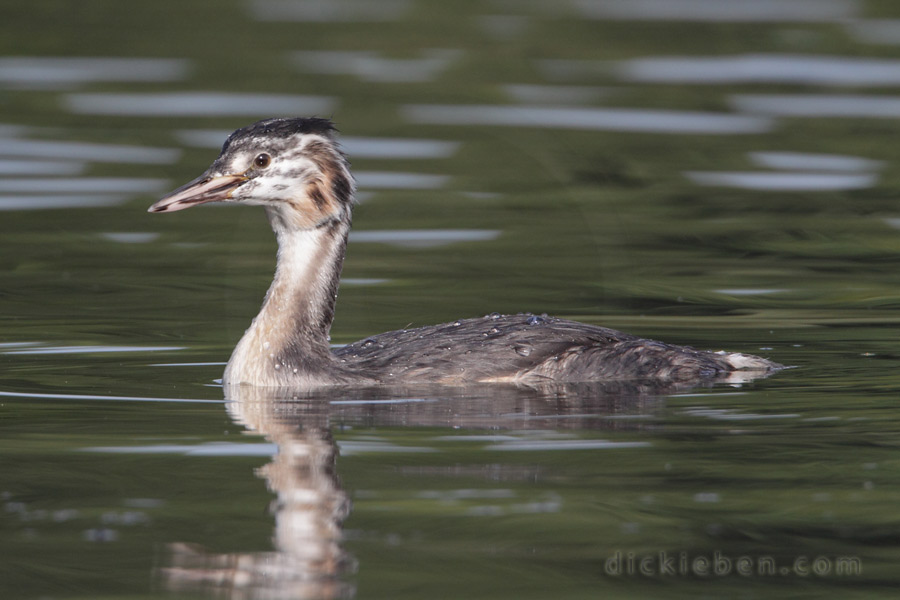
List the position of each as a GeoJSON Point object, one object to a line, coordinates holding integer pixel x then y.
{"type": "Point", "coordinates": [294, 167]}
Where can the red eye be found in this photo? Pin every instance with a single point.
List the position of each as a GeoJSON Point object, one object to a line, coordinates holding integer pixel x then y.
{"type": "Point", "coordinates": [262, 161]}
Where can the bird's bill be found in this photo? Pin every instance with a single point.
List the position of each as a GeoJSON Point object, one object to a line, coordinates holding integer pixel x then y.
{"type": "Point", "coordinates": [200, 191]}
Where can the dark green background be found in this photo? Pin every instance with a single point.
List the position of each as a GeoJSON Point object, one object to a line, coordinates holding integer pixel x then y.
{"type": "Point", "coordinates": [598, 226]}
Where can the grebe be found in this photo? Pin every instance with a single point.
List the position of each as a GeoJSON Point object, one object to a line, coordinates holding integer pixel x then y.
{"type": "Point", "coordinates": [296, 169]}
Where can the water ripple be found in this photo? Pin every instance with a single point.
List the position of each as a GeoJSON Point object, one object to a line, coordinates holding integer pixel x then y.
{"type": "Point", "coordinates": [207, 449]}
{"type": "Point", "coordinates": [329, 11]}
{"type": "Point", "coordinates": [53, 72]}
{"type": "Point", "coordinates": [92, 349]}
{"type": "Point", "coordinates": [373, 147]}
{"type": "Point", "coordinates": [592, 119]}
{"type": "Point", "coordinates": [92, 397]}
{"type": "Point", "coordinates": [398, 180]}
{"type": "Point", "coordinates": [423, 238]}
{"type": "Point", "coordinates": [750, 291]}
{"type": "Point", "coordinates": [130, 237]}
{"type": "Point", "coordinates": [787, 182]}
{"type": "Point", "coordinates": [555, 94]}
{"type": "Point", "coordinates": [719, 11]}
{"type": "Point", "coordinates": [196, 104]}
{"type": "Point", "coordinates": [356, 447]}
{"type": "Point", "coordinates": [543, 445]}
{"type": "Point", "coordinates": [363, 281]}
{"type": "Point", "coordinates": [814, 162]}
{"type": "Point", "coordinates": [874, 31]}
{"type": "Point", "coordinates": [40, 167]}
{"type": "Point", "coordinates": [818, 105]}
{"type": "Point", "coordinates": [728, 414]}
{"type": "Point", "coordinates": [87, 151]}
{"type": "Point", "coordinates": [763, 68]}
{"type": "Point", "coordinates": [56, 202]}
{"type": "Point", "coordinates": [81, 185]}
{"type": "Point", "coordinates": [369, 66]}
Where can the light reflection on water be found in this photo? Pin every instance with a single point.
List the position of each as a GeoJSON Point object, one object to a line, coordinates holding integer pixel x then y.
{"type": "Point", "coordinates": [82, 185]}
{"type": "Point", "coordinates": [423, 238]}
{"type": "Point", "coordinates": [92, 349]}
{"type": "Point", "coordinates": [64, 72]}
{"type": "Point", "coordinates": [555, 94]}
{"type": "Point", "coordinates": [725, 11]}
{"type": "Point", "coordinates": [798, 182]}
{"type": "Point", "coordinates": [130, 237]}
{"type": "Point", "coordinates": [68, 149]}
{"type": "Point", "coordinates": [818, 105]}
{"type": "Point", "coordinates": [368, 66]}
{"type": "Point", "coordinates": [750, 291]}
{"type": "Point", "coordinates": [197, 104]}
{"type": "Point", "coordinates": [390, 148]}
{"type": "Point", "coordinates": [557, 445]}
{"type": "Point", "coordinates": [203, 449]}
{"type": "Point", "coordinates": [814, 162]}
{"type": "Point", "coordinates": [105, 397]}
{"type": "Point", "coordinates": [720, 414]}
{"type": "Point", "coordinates": [46, 193]}
{"type": "Point", "coordinates": [363, 281]}
{"type": "Point", "coordinates": [606, 226]}
{"type": "Point", "coordinates": [7, 130]}
{"type": "Point", "coordinates": [44, 202]}
{"type": "Point", "coordinates": [329, 11]}
{"type": "Point", "coordinates": [40, 167]}
{"type": "Point", "coordinates": [589, 119]}
{"type": "Point", "coordinates": [503, 26]}
{"type": "Point", "coordinates": [397, 180]}
{"type": "Point", "coordinates": [811, 172]}
{"type": "Point", "coordinates": [763, 68]}
{"type": "Point", "coordinates": [875, 31]}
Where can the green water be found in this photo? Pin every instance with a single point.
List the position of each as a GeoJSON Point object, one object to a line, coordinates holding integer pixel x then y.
{"type": "Point", "coordinates": [125, 473]}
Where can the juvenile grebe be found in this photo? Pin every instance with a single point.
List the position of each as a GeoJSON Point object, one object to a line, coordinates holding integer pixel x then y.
{"type": "Point", "coordinates": [295, 168]}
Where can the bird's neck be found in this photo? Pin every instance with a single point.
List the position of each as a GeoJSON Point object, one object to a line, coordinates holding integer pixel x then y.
{"type": "Point", "coordinates": [287, 343]}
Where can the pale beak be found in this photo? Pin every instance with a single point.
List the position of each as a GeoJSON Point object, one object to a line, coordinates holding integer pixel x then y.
{"type": "Point", "coordinates": [199, 191]}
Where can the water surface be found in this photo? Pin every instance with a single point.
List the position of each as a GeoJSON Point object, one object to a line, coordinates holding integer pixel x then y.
{"type": "Point", "coordinates": [719, 174]}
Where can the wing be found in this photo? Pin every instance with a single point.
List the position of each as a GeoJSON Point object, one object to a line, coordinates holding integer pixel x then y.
{"type": "Point", "coordinates": [529, 348]}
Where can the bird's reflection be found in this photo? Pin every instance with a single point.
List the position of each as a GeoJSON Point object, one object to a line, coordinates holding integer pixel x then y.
{"type": "Point", "coordinates": [309, 507]}
{"type": "Point", "coordinates": [308, 560]}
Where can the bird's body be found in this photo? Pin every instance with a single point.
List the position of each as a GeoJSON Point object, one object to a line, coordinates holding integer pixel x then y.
{"type": "Point", "coordinates": [295, 169]}
{"type": "Point", "coordinates": [530, 349]}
